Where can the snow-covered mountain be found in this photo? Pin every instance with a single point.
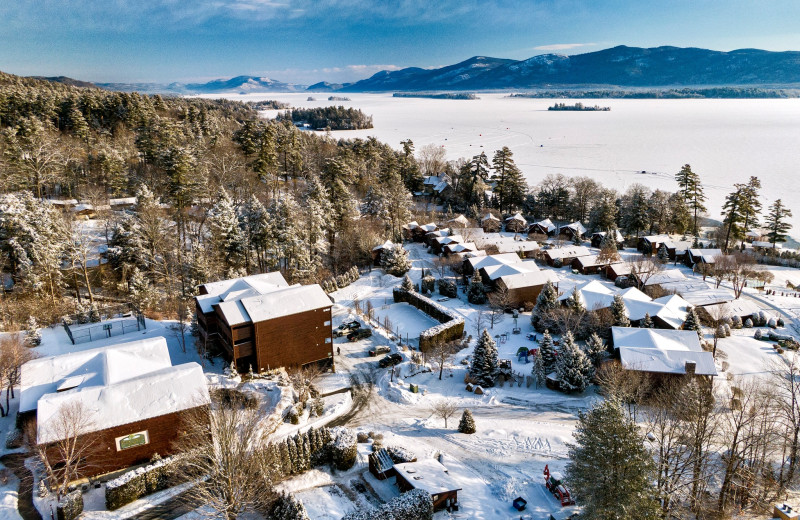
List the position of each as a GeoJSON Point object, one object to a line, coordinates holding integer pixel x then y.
{"type": "Point", "coordinates": [246, 84]}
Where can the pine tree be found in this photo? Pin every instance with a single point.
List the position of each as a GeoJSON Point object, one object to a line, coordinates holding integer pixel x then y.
{"type": "Point", "coordinates": [663, 254]}
{"type": "Point", "coordinates": [692, 192]}
{"type": "Point", "coordinates": [732, 213]}
{"type": "Point", "coordinates": [287, 507]}
{"type": "Point", "coordinates": [693, 323]}
{"type": "Point", "coordinates": [608, 247]}
{"type": "Point", "coordinates": [476, 293]}
{"type": "Point", "coordinates": [142, 294]}
{"type": "Point", "coordinates": [291, 449]}
{"type": "Point", "coordinates": [317, 210]}
{"type": "Point", "coordinates": [226, 235]}
{"type": "Point", "coordinates": [573, 369]}
{"type": "Point", "coordinates": [511, 186]}
{"type": "Point", "coordinates": [546, 302]}
{"type": "Point", "coordinates": [575, 301]}
{"type": "Point", "coordinates": [548, 352]}
{"type": "Point", "coordinates": [647, 322]}
{"type": "Point", "coordinates": [596, 349]}
{"type": "Point", "coordinates": [619, 313]}
{"type": "Point", "coordinates": [33, 337]}
{"type": "Point", "coordinates": [538, 372]}
{"type": "Point", "coordinates": [395, 261]}
{"type": "Point", "coordinates": [776, 223]}
{"type": "Point", "coordinates": [750, 206]}
{"type": "Point", "coordinates": [407, 284]}
{"type": "Point", "coordinates": [609, 443]}
{"type": "Point", "coordinates": [484, 360]}
{"type": "Point", "coordinates": [467, 423]}
{"type": "Point", "coordinates": [471, 183]}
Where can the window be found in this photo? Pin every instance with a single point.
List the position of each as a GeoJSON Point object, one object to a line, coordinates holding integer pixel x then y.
{"type": "Point", "coordinates": [327, 323]}
{"type": "Point", "coordinates": [133, 440]}
{"type": "Point", "coordinates": [327, 340]}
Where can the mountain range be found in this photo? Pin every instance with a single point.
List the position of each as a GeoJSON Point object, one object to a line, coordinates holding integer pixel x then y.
{"type": "Point", "coordinates": [620, 66]}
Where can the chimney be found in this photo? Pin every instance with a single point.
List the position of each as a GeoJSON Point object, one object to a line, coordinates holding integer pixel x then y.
{"type": "Point", "coordinates": [690, 368]}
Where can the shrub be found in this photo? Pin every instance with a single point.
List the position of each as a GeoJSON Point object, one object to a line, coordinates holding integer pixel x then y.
{"type": "Point", "coordinates": [287, 507]}
{"type": "Point", "coordinates": [748, 324]}
{"type": "Point", "coordinates": [416, 504]}
{"type": "Point", "coordinates": [447, 288]}
{"type": "Point", "coordinates": [316, 407]}
{"type": "Point", "coordinates": [362, 437]}
{"type": "Point", "coordinates": [70, 506]}
{"type": "Point", "coordinates": [467, 423]}
{"type": "Point", "coordinates": [137, 483]}
{"type": "Point", "coordinates": [400, 455]}
{"type": "Point", "coordinates": [781, 323]}
{"type": "Point", "coordinates": [343, 448]}
{"type": "Point", "coordinates": [428, 284]}
{"type": "Point", "coordinates": [757, 334]}
{"type": "Point", "coordinates": [737, 322]}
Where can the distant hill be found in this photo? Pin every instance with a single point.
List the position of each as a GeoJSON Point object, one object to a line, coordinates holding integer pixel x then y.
{"type": "Point", "coordinates": [66, 81]}
{"type": "Point", "coordinates": [324, 86]}
{"type": "Point", "coordinates": [243, 84]}
{"type": "Point", "coordinates": [618, 66]}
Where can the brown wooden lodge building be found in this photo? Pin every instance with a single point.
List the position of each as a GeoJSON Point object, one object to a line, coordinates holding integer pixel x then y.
{"type": "Point", "coordinates": [261, 322]}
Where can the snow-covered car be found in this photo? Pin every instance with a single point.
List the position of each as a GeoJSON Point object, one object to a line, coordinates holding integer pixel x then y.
{"type": "Point", "coordinates": [443, 299]}
{"type": "Point", "coordinates": [346, 328]}
{"type": "Point", "coordinates": [390, 360]}
{"type": "Point", "coordinates": [359, 333]}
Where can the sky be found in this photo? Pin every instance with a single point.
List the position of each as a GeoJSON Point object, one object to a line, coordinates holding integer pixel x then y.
{"type": "Point", "coordinates": [305, 41]}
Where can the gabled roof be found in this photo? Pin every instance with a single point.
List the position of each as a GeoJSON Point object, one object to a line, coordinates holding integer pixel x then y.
{"type": "Point", "coordinates": [568, 252]}
{"type": "Point", "coordinates": [708, 296]}
{"type": "Point", "coordinates": [504, 258]}
{"type": "Point", "coordinates": [706, 255]}
{"type": "Point", "coordinates": [529, 279]}
{"type": "Point", "coordinates": [449, 240]}
{"type": "Point", "coordinates": [238, 288]}
{"type": "Point", "coordinates": [546, 224]}
{"type": "Point", "coordinates": [285, 302]}
{"type": "Point", "coordinates": [666, 276]}
{"type": "Point", "coordinates": [518, 217]}
{"type": "Point", "coordinates": [663, 351]}
{"type": "Point", "coordinates": [496, 271]}
{"type": "Point", "coordinates": [461, 248]}
{"type": "Point", "coordinates": [576, 226]}
{"type": "Point", "coordinates": [411, 225]}
{"type": "Point", "coordinates": [386, 245]}
{"type": "Point", "coordinates": [489, 216]}
{"type": "Point", "coordinates": [428, 227]}
{"type": "Point", "coordinates": [461, 219]}
{"type": "Point", "coordinates": [618, 235]}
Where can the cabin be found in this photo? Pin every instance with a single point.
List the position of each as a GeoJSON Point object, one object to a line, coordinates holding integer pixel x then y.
{"type": "Point", "coordinates": [564, 255]}
{"type": "Point", "coordinates": [459, 221]}
{"type": "Point", "coordinates": [762, 246]}
{"type": "Point", "coordinates": [649, 245]}
{"type": "Point", "coordinates": [663, 353]}
{"type": "Point", "coordinates": [458, 248]}
{"type": "Point", "coordinates": [471, 264]}
{"type": "Point", "coordinates": [261, 322]}
{"type": "Point", "coordinates": [419, 232]}
{"type": "Point", "coordinates": [378, 252]}
{"type": "Point", "coordinates": [744, 309]}
{"type": "Point", "coordinates": [665, 278]}
{"type": "Point", "coordinates": [133, 398]}
{"type": "Point", "coordinates": [432, 476]}
{"type": "Point", "coordinates": [516, 224]}
{"type": "Point", "coordinates": [431, 237]}
{"type": "Point", "coordinates": [122, 203]}
{"type": "Point", "coordinates": [437, 186]}
{"type": "Point", "coordinates": [408, 230]}
{"type": "Point", "coordinates": [83, 211]}
{"type": "Point", "coordinates": [439, 243]}
{"type": "Point", "coordinates": [701, 256]}
{"type": "Point", "coordinates": [616, 270]}
{"type": "Point", "coordinates": [542, 227]}
{"type": "Point", "coordinates": [597, 239]}
{"type": "Point", "coordinates": [525, 286]}
{"type": "Point", "coordinates": [570, 231]}
{"type": "Point", "coordinates": [490, 223]}
{"type": "Point", "coordinates": [590, 264]}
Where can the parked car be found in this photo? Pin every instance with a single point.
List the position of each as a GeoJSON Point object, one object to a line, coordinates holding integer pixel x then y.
{"type": "Point", "coordinates": [383, 349]}
{"type": "Point", "coordinates": [346, 328]}
{"type": "Point", "coordinates": [359, 333]}
{"type": "Point", "coordinates": [390, 360]}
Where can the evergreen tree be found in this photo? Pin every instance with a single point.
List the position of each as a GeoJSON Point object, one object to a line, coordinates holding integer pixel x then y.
{"type": "Point", "coordinates": [573, 369]}
{"type": "Point", "coordinates": [407, 284]}
{"type": "Point", "coordinates": [663, 254]}
{"type": "Point", "coordinates": [575, 301]}
{"type": "Point", "coordinates": [408, 167]}
{"type": "Point", "coordinates": [596, 349]}
{"type": "Point", "coordinates": [471, 183]}
{"type": "Point", "coordinates": [776, 222]}
{"type": "Point", "coordinates": [732, 213]}
{"type": "Point", "coordinates": [538, 372]}
{"type": "Point", "coordinates": [467, 423]}
{"type": "Point", "coordinates": [547, 299]}
{"type": "Point", "coordinates": [511, 186]}
{"type": "Point", "coordinates": [692, 192]}
{"type": "Point", "coordinates": [619, 313]}
{"type": "Point", "coordinates": [647, 322]}
{"type": "Point", "coordinates": [476, 293]}
{"type": "Point", "coordinates": [142, 294]}
{"type": "Point", "coordinates": [610, 468]}
{"type": "Point", "coordinates": [484, 360]}
{"type": "Point", "coordinates": [680, 218]}
{"type": "Point", "coordinates": [395, 261]}
{"type": "Point", "coordinates": [317, 210]}
{"type": "Point", "coordinates": [287, 507]}
{"type": "Point", "coordinates": [608, 247]}
{"type": "Point", "coordinates": [750, 206]}
{"type": "Point", "coordinates": [693, 323]}
{"type": "Point", "coordinates": [603, 214]}
{"type": "Point", "coordinates": [226, 235]}
{"type": "Point", "coordinates": [33, 337]}
{"type": "Point", "coordinates": [548, 352]}
{"type": "Point", "coordinates": [634, 211]}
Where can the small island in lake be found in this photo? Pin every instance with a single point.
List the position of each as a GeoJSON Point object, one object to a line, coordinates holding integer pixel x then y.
{"type": "Point", "coordinates": [443, 95]}
{"type": "Point", "coordinates": [578, 107]}
{"type": "Point", "coordinates": [338, 98]}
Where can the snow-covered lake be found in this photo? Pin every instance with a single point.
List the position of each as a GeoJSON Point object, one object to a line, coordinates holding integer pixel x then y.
{"type": "Point", "coordinates": [725, 140]}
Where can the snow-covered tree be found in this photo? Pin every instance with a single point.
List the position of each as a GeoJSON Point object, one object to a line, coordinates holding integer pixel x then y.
{"type": "Point", "coordinates": [596, 349]}
{"type": "Point", "coordinates": [609, 442]}
{"type": "Point", "coordinates": [548, 352]}
{"type": "Point", "coordinates": [619, 313]}
{"type": "Point", "coordinates": [538, 372]}
{"type": "Point", "coordinates": [663, 254]}
{"type": "Point", "coordinates": [33, 337]}
{"type": "Point", "coordinates": [573, 369]}
{"type": "Point", "coordinates": [693, 323]}
{"type": "Point", "coordinates": [476, 293]}
{"type": "Point", "coordinates": [142, 294]}
{"type": "Point", "coordinates": [647, 322]}
{"type": "Point", "coordinates": [227, 237]}
{"type": "Point", "coordinates": [395, 261]}
{"type": "Point", "coordinates": [317, 211]}
{"type": "Point", "coordinates": [254, 220]}
{"type": "Point", "coordinates": [287, 507]}
{"type": "Point", "coordinates": [484, 360]}
{"type": "Point", "coordinates": [548, 298]}
{"type": "Point", "coordinates": [407, 284]}
{"type": "Point", "coordinates": [467, 423]}
{"type": "Point", "coordinates": [575, 301]}
{"type": "Point", "coordinates": [608, 247]}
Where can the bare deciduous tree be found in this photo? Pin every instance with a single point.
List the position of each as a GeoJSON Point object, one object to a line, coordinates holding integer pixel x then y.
{"type": "Point", "coordinates": [224, 452]}
{"type": "Point", "coordinates": [644, 267]}
{"type": "Point", "coordinates": [630, 387]}
{"type": "Point", "coordinates": [444, 408]}
{"type": "Point", "coordinates": [441, 352]}
{"type": "Point", "coordinates": [13, 354]}
{"type": "Point", "coordinates": [499, 303]}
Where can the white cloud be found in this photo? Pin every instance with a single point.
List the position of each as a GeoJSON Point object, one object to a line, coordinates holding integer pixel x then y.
{"type": "Point", "coordinates": [562, 46]}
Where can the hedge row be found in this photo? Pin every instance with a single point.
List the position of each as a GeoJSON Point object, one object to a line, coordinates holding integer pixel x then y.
{"type": "Point", "coordinates": [70, 506]}
{"type": "Point", "coordinates": [137, 483]}
{"type": "Point", "coordinates": [334, 283]}
{"type": "Point", "coordinates": [416, 504]}
{"type": "Point", "coordinates": [451, 325]}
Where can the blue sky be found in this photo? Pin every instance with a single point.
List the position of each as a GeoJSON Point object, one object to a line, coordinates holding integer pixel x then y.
{"type": "Point", "coordinates": [306, 41]}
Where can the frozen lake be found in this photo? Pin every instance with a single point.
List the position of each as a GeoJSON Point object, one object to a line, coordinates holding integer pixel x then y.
{"type": "Point", "coordinates": [725, 140]}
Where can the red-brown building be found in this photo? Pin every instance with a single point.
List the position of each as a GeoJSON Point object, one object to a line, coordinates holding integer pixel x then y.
{"type": "Point", "coordinates": [261, 322]}
{"type": "Point", "coordinates": [129, 398]}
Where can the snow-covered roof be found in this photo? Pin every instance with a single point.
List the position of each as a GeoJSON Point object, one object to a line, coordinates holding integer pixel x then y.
{"type": "Point", "coordinates": [518, 217]}
{"type": "Point", "coordinates": [428, 227]}
{"type": "Point", "coordinates": [591, 261]}
{"type": "Point", "coordinates": [64, 202]}
{"type": "Point", "coordinates": [123, 201]}
{"type": "Point", "coordinates": [386, 245]}
{"type": "Point", "coordinates": [707, 296]}
{"type": "Point", "coordinates": [512, 246]}
{"type": "Point", "coordinates": [438, 233]}
{"type": "Point", "coordinates": [449, 240]}
{"type": "Point", "coordinates": [97, 366]}
{"type": "Point", "coordinates": [501, 259]}
{"type": "Point", "coordinates": [660, 350]}
{"type": "Point", "coordinates": [666, 276]}
{"type": "Point", "coordinates": [441, 186]}
{"type": "Point", "coordinates": [768, 245]}
{"type": "Point", "coordinates": [753, 234]}
{"type": "Point", "coordinates": [285, 302]}
{"type": "Point", "coordinates": [577, 227]}
{"type": "Point", "coordinates": [659, 239]}
{"type": "Point", "coordinates": [740, 307]}
{"type": "Point", "coordinates": [83, 206]}
{"type": "Point", "coordinates": [497, 271]}
{"type": "Point", "coordinates": [489, 216]}
{"type": "Point", "coordinates": [528, 279]}
{"type": "Point", "coordinates": [461, 219]}
{"type": "Point", "coordinates": [602, 234]}
{"type": "Point", "coordinates": [238, 288]}
{"type": "Point", "coordinates": [546, 224]}
{"type": "Point", "coordinates": [152, 394]}
{"type": "Point", "coordinates": [706, 255]}
{"type": "Point", "coordinates": [411, 225]}
{"type": "Point", "coordinates": [568, 252]}
{"type": "Point", "coordinates": [462, 248]}
{"type": "Point", "coordinates": [429, 475]}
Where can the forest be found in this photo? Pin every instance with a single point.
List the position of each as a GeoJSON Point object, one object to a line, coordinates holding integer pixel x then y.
{"type": "Point", "coordinates": [671, 93]}
{"type": "Point", "coordinates": [332, 118]}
